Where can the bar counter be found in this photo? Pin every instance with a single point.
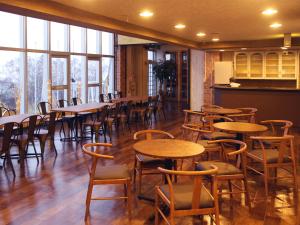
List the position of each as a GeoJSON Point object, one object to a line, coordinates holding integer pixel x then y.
{"type": "Point", "coordinates": [271, 102]}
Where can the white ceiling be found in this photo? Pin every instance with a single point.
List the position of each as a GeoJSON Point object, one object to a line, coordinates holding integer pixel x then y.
{"type": "Point", "coordinates": [232, 19]}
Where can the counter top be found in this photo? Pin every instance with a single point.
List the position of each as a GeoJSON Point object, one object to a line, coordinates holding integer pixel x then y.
{"type": "Point", "coordinates": [255, 88]}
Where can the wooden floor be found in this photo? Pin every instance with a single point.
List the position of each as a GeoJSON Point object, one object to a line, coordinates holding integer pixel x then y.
{"type": "Point", "coordinates": [54, 191]}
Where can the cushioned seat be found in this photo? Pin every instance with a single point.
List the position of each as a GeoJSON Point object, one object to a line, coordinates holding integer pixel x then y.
{"type": "Point", "coordinates": [205, 144]}
{"type": "Point", "coordinates": [183, 195]}
{"type": "Point", "coordinates": [112, 172]}
{"type": "Point", "coordinates": [223, 167]}
{"type": "Point", "coordinates": [149, 160]}
{"type": "Point", "coordinates": [219, 135]}
{"type": "Point", "coordinates": [271, 155]}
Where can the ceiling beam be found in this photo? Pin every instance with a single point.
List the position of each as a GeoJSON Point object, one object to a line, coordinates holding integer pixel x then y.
{"type": "Point", "coordinates": [60, 13]}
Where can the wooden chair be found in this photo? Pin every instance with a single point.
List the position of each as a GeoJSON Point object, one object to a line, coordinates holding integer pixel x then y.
{"type": "Point", "coordinates": [113, 117]}
{"type": "Point", "coordinates": [6, 111]}
{"type": "Point", "coordinates": [6, 144]}
{"type": "Point", "coordinates": [125, 116]}
{"type": "Point", "coordinates": [46, 131]}
{"type": "Point", "coordinates": [278, 127]}
{"type": "Point", "coordinates": [282, 156]}
{"type": "Point", "coordinates": [65, 118]}
{"type": "Point", "coordinates": [145, 165]}
{"type": "Point", "coordinates": [193, 117]}
{"type": "Point", "coordinates": [210, 106]}
{"type": "Point", "coordinates": [209, 120]}
{"type": "Point", "coordinates": [187, 199]}
{"type": "Point", "coordinates": [243, 117]}
{"type": "Point", "coordinates": [194, 133]}
{"type": "Point", "coordinates": [105, 175]}
{"type": "Point", "coordinates": [232, 167]}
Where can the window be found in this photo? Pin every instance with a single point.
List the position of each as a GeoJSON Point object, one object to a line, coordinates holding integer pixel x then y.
{"type": "Point", "coordinates": [59, 37]}
{"type": "Point", "coordinates": [37, 80]}
{"type": "Point", "coordinates": [93, 80]}
{"type": "Point", "coordinates": [107, 43]}
{"type": "Point", "coordinates": [59, 75]}
{"type": "Point", "coordinates": [77, 39]}
{"type": "Point", "coordinates": [78, 80]}
{"type": "Point", "coordinates": [152, 83]}
{"type": "Point", "coordinates": [11, 26]}
{"type": "Point", "coordinates": [11, 75]}
{"type": "Point", "coordinates": [37, 33]}
{"type": "Point", "coordinates": [107, 75]}
{"type": "Point", "coordinates": [93, 41]}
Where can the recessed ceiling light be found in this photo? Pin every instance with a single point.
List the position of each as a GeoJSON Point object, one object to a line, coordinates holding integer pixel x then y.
{"type": "Point", "coordinates": [146, 13]}
{"type": "Point", "coordinates": [243, 48]}
{"type": "Point", "coordinates": [276, 25]}
{"type": "Point", "coordinates": [215, 39]}
{"type": "Point", "coordinates": [269, 12]}
{"type": "Point", "coordinates": [221, 50]}
{"type": "Point", "coordinates": [201, 34]}
{"type": "Point", "coordinates": [284, 48]}
{"type": "Point", "coordinates": [179, 26]}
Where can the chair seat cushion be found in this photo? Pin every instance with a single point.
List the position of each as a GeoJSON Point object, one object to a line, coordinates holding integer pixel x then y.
{"type": "Point", "coordinates": [271, 155]}
{"type": "Point", "coordinates": [112, 172]}
{"type": "Point", "coordinates": [219, 135]}
{"type": "Point", "coordinates": [223, 167]}
{"type": "Point", "coordinates": [149, 160]}
{"type": "Point", "coordinates": [183, 196]}
{"type": "Point", "coordinates": [206, 145]}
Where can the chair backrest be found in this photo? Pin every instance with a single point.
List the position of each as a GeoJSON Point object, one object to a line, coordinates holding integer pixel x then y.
{"type": "Point", "coordinates": [243, 117]}
{"type": "Point", "coordinates": [210, 106]}
{"type": "Point", "coordinates": [7, 135]}
{"type": "Point", "coordinates": [44, 107]}
{"type": "Point", "coordinates": [109, 95]}
{"type": "Point", "coordinates": [32, 125]}
{"type": "Point", "coordinates": [51, 124]}
{"type": "Point", "coordinates": [63, 103]}
{"type": "Point", "coordinates": [209, 120]}
{"type": "Point", "coordinates": [101, 98]}
{"type": "Point", "coordinates": [102, 115]}
{"type": "Point", "coordinates": [197, 177]}
{"type": "Point", "coordinates": [248, 110]}
{"type": "Point", "coordinates": [284, 145]}
{"type": "Point", "coordinates": [278, 127]}
{"type": "Point", "coordinates": [194, 117]}
{"type": "Point", "coordinates": [150, 134]}
{"type": "Point", "coordinates": [92, 150]}
{"type": "Point", "coordinates": [192, 132]}
{"type": "Point", "coordinates": [76, 101]}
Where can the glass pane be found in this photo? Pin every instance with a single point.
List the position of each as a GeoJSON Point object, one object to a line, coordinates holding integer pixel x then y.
{"type": "Point", "coordinates": [37, 80]}
{"type": "Point", "coordinates": [93, 72]}
{"type": "Point", "coordinates": [272, 65]}
{"type": "Point", "coordinates": [288, 65]}
{"type": "Point", "coordinates": [59, 71]}
{"type": "Point", "coordinates": [37, 34]}
{"type": "Point", "coordinates": [107, 75]}
{"type": "Point", "coordinates": [77, 39]}
{"type": "Point", "coordinates": [241, 65]}
{"type": "Point", "coordinates": [93, 95]}
{"type": "Point", "coordinates": [256, 65]}
{"type": "Point", "coordinates": [10, 79]}
{"type": "Point", "coordinates": [11, 27]}
{"type": "Point", "coordinates": [78, 77]}
{"type": "Point", "coordinates": [93, 42]}
{"type": "Point", "coordinates": [107, 43]}
{"type": "Point", "coordinates": [57, 95]}
{"type": "Point", "coordinates": [59, 37]}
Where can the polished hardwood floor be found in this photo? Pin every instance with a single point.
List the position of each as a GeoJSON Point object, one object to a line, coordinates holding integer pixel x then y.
{"type": "Point", "coordinates": [54, 190]}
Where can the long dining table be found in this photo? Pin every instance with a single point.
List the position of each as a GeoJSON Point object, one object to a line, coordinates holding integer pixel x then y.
{"type": "Point", "coordinates": [76, 109]}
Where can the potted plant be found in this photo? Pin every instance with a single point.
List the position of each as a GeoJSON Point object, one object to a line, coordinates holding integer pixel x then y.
{"type": "Point", "coordinates": [164, 70]}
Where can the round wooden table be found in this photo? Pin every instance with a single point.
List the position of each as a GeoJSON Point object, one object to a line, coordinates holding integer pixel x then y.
{"type": "Point", "coordinates": [168, 148]}
{"type": "Point", "coordinates": [221, 111]}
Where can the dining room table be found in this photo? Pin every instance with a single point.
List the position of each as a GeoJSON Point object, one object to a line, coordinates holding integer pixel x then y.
{"type": "Point", "coordinates": [169, 149]}
{"type": "Point", "coordinates": [75, 110]}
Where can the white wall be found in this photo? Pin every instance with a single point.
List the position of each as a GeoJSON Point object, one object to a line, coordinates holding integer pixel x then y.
{"type": "Point", "coordinates": [197, 71]}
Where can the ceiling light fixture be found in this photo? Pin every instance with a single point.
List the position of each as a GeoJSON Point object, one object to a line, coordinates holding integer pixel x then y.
{"type": "Point", "coordinates": [284, 48]}
{"type": "Point", "coordinates": [275, 25]}
{"type": "Point", "coordinates": [269, 12]}
{"type": "Point", "coordinates": [179, 26]}
{"type": "Point", "coordinates": [243, 48]}
{"type": "Point", "coordinates": [146, 13]}
{"type": "Point", "coordinates": [201, 34]}
{"type": "Point", "coordinates": [221, 50]}
{"type": "Point", "coordinates": [215, 37]}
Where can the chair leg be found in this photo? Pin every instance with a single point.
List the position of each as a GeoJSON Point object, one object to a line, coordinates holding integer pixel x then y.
{"type": "Point", "coordinates": [140, 179]}
{"type": "Point", "coordinates": [10, 163]}
{"type": "Point", "coordinates": [35, 152]}
{"type": "Point", "coordinates": [247, 194]}
{"type": "Point", "coordinates": [53, 144]}
{"type": "Point", "coordinates": [266, 175]}
{"type": "Point", "coordinates": [129, 199]}
{"type": "Point", "coordinates": [156, 209]}
{"type": "Point", "coordinates": [88, 200]}
{"type": "Point", "coordinates": [42, 146]}
{"type": "Point", "coordinates": [134, 171]}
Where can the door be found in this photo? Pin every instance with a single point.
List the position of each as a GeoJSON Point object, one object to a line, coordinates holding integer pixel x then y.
{"type": "Point", "coordinates": [60, 81]}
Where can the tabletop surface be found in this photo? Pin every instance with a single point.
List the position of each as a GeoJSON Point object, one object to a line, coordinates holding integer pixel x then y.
{"type": "Point", "coordinates": [168, 148]}
{"type": "Point", "coordinates": [13, 118]}
{"type": "Point", "coordinates": [240, 127]}
{"type": "Point", "coordinates": [82, 107]}
{"type": "Point", "coordinates": [222, 111]}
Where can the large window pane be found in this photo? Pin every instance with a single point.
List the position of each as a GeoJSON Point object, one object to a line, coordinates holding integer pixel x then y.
{"type": "Point", "coordinates": [93, 72]}
{"type": "Point", "coordinates": [93, 95]}
{"type": "Point", "coordinates": [77, 39]}
{"type": "Point", "coordinates": [59, 71]}
{"type": "Point", "coordinates": [37, 80]}
{"type": "Point", "coordinates": [59, 37]}
{"type": "Point", "coordinates": [11, 74]}
{"type": "Point", "coordinates": [78, 77]}
{"type": "Point", "coordinates": [93, 41]}
{"type": "Point", "coordinates": [107, 43]}
{"type": "Point", "coordinates": [37, 33]}
{"type": "Point", "coordinates": [58, 95]}
{"type": "Point", "coordinates": [107, 75]}
{"type": "Point", "coordinates": [11, 27]}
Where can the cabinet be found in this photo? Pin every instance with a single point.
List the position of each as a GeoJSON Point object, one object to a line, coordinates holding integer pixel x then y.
{"type": "Point", "coordinates": [266, 65]}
